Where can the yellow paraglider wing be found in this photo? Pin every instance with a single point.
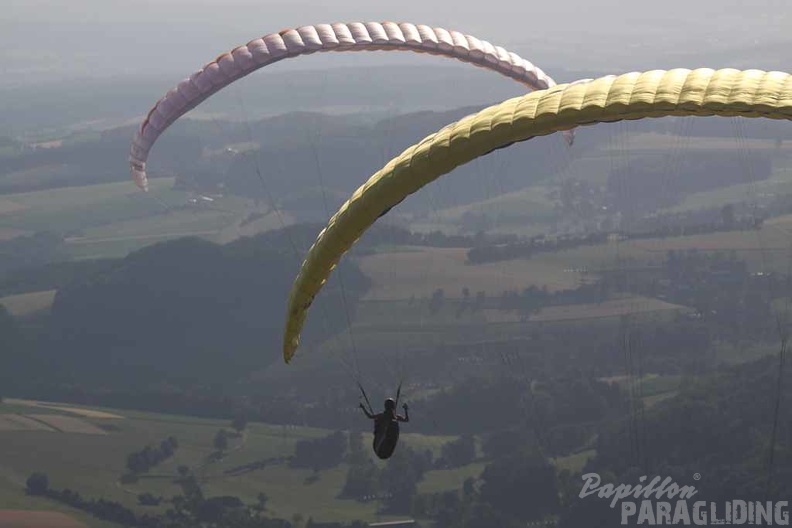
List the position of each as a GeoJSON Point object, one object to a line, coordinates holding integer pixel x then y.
{"type": "Point", "coordinates": [680, 92]}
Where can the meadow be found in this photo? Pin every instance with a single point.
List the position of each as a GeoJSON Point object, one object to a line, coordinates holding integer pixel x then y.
{"type": "Point", "coordinates": [38, 519]}
{"type": "Point", "coordinates": [26, 304]}
{"type": "Point", "coordinates": [113, 219]}
{"type": "Point", "coordinates": [93, 463]}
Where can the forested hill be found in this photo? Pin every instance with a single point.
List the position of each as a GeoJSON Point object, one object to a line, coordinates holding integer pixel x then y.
{"type": "Point", "coordinates": [719, 427]}
{"type": "Point", "coordinates": [186, 312]}
{"type": "Point", "coordinates": [733, 409]}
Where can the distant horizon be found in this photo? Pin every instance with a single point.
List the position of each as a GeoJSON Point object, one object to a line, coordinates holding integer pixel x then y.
{"type": "Point", "coordinates": [38, 111]}
{"type": "Point", "coordinates": [47, 40]}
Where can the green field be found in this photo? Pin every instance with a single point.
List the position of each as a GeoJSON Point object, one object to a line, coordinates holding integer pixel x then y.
{"type": "Point", "coordinates": [418, 272]}
{"type": "Point", "coordinates": [441, 480]}
{"type": "Point", "coordinates": [416, 315]}
{"type": "Point", "coordinates": [92, 464]}
{"type": "Point", "coordinates": [112, 219]}
{"type": "Point", "coordinates": [526, 211]}
{"type": "Point", "coordinates": [85, 196]}
{"type": "Point", "coordinates": [651, 388]}
{"type": "Point", "coordinates": [73, 209]}
{"type": "Point", "coordinates": [395, 338]}
{"type": "Point", "coordinates": [28, 303]}
{"type": "Point", "coordinates": [574, 463]}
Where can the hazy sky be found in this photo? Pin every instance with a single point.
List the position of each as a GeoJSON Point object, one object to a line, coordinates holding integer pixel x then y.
{"type": "Point", "coordinates": [56, 39]}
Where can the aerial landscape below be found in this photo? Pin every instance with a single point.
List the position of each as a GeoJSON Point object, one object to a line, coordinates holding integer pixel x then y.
{"type": "Point", "coordinates": [449, 265]}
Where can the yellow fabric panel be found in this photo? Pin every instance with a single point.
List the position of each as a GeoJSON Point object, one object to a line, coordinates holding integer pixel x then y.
{"type": "Point", "coordinates": [701, 92]}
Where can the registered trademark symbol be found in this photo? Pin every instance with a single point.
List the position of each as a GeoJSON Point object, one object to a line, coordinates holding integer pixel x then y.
{"type": "Point", "coordinates": [696, 476]}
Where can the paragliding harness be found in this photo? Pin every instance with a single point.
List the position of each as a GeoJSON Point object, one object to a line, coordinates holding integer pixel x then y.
{"type": "Point", "coordinates": [386, 435]}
